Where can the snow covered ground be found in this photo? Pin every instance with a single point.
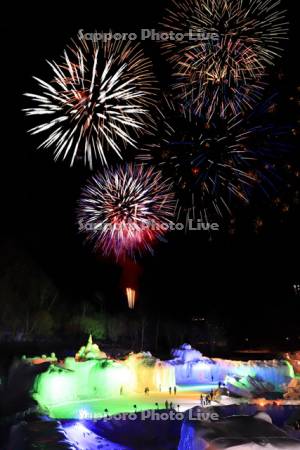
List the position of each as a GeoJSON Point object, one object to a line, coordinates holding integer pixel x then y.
{"type": "Point", "coordinates": [83, 438]}
{"type": "Point", "coordinates": [186, 398]}
{"type": "Point", "coordinates": [127, 434]}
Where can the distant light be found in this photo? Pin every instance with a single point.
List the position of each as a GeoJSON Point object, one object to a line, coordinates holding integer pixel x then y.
{"type": "Point", "coordinates": [262, 403]}
{"type": "Point", "coordinates": [296, 287]}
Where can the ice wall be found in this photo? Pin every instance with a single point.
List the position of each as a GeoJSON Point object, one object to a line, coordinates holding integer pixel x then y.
{"type": "Point", "coordinates": [186, 354]}
{"type": "Point", "coordinates": [102, 378]}
{"type": "Point", "coordinates": [150, 372]}
{"type": "Point", "coordinates": [292, 391]}
{"type": "Point", "coordinates": [192, 368]}
{"type": "Point", "coordinates": [294, 359]}
{"type": "Point", "coordinates": [81, 381]}
{"type": "Point", "coordinates": [276, 372]}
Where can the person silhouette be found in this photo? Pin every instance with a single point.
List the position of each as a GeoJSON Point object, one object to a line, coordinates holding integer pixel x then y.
{"type": "Point", "coordinates": [201, 400]}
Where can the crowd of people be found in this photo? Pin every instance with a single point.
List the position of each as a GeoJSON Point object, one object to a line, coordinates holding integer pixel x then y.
{"type": "Point", "coordinates": [205, 399]}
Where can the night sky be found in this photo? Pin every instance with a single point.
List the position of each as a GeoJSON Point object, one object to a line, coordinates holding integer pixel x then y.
{"type": "Point", "coordinates": [245, 278]}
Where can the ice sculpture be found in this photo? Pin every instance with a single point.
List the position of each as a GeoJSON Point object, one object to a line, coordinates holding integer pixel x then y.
{"type": "Point", "coordinates": [90, 351]}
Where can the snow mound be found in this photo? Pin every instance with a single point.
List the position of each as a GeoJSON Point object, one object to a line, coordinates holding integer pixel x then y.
{"type": "Point", "coordinates": [235, 432]}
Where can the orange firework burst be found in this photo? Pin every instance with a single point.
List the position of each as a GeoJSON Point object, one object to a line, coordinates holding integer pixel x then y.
{"type": "Point", "coordinates": [221, 69]}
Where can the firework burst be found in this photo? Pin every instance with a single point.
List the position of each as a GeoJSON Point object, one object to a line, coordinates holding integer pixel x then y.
{"type": "Point", "coordinates": [97, 102]}
{"type": "Point", "coordinates": [223, 74]}
{"type": "Point", "coordinates": [125, 210]}
{"type": "Point", "coordinates": [216, 164]}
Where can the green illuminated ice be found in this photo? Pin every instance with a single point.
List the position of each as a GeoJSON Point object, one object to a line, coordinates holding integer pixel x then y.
{"type": "Point", "coordinates": [91, 375]}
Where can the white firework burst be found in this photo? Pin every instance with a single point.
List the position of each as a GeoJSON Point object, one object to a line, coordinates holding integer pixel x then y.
{"type": "Point", "coordinates": [97, 101]}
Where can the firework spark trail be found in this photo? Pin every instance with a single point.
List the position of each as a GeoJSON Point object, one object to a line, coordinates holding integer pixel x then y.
{"type": "Point", "coordinates": [98, 100]}
{"type": "Point", "coordinates": [131, 297]}
{"type": "Point", "coordinates": [226, 75]}
{"type": "Point", "coordinates": [125, 210]}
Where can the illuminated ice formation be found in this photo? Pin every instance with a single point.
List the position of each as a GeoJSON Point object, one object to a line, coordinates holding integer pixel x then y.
{"type": "Point", "coordinates": [186, 354]}
{"type": "Point", "coordinates": [294, 359]}
{"type": "Point", "coordinates": [41, 359]}
{"type": "Point", "coordinates": [92, 375]}
{"type": "Point", "coordinates": [82, 381]}
{"type": "Point", "coordinates": [89, 375]}
{"type": "Point", "coordinates": [249, 387]}
{"type": "Point", "coordinates": [192, 368]}
{"type": "Point", "coordinates": [293, 390]}
{"type": "Point", "coordinates": [90, 351]}
{"type": "Point", "coordinates": [150, 372]}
